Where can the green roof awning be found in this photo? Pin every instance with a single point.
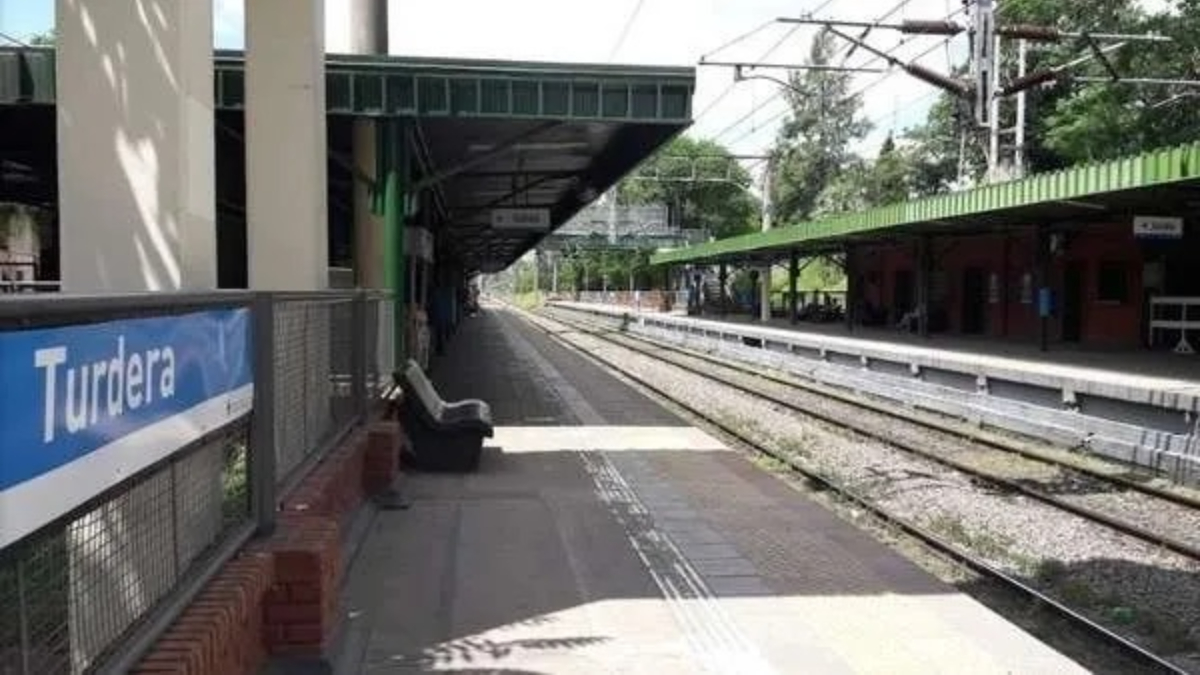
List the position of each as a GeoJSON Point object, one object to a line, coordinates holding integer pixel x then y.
{"type": "Point", "coordinates": [1160, 182]}
{"type": "Point", "coordinates": [426, 87]}
{"type": "Point", "coordinates": [491, 134]}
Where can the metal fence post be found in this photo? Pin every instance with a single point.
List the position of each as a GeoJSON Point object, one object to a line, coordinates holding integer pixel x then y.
{"type": "Point", "coordinates": [359, 339]}
{"type": "Point", "coordinates": [262, 427]}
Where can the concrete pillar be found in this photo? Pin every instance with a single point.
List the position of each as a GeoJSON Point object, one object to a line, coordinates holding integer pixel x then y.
{"type": "Point", "coordinates": [764, 304]}
{"type": "Point", "coordinates": [287, 221]}
{"type": "Point", "coordinates": [368, 26]}
{"type": "Point", "coordinates": [394, 175]}
{"type": "Point", "coordinates": [135, 146]}
{"type": "Point", "coordinates": [365, 33]}
{"type": "Point", "coordinates": [136, 213]}
{"type": "Point", "coordinates": [368, 227]}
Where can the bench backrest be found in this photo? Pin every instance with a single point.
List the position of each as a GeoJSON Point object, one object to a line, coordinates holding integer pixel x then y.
{"type": "Point", "coordinates": [423, 388]}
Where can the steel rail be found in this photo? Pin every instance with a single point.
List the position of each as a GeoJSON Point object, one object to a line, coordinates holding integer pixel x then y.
{"type": "Point", "coordinates": [990, 440]}
{"type": "Point", "coordinates": [1132, 649]}
{"type": "Point", "coordinates": [1129, 529]}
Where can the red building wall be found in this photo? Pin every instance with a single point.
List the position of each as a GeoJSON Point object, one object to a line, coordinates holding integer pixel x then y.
{"type": "Point", "coordinates": [1007, 263]}
{"type": "Point", "coordinates": [1107, 323]}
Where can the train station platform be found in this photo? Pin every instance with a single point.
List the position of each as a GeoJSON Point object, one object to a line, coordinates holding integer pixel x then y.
{"type": "Point", "coordinates": [603, 534]}
{"type": "Point", "coordinates": [1137, 407]}
{"type": "Point", "coordinates": [1159, 371]}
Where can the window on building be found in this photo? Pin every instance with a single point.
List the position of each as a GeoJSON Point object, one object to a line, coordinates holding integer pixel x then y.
{"type": "Point", "coordinates": [1113, 282]}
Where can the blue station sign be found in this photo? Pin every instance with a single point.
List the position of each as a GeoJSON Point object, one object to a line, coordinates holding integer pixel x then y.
{"type": "Point", "coordinates": [85, 407]}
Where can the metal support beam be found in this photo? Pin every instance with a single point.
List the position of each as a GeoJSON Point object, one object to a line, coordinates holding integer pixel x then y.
{"type": "Point", "coordinates": [851, 287]}
{"type": "Point", "coordinates": [723, 280]}
{"type": "Point", "coordinates": [739, 65]}
{"type": "Point", "coordinates": [1042, 266]}
{"type": "Point", "coordinates": [469, 211]}
{"type": "Point", "coordinates": [395, 172]}
{"type": "Point", "coordinates": [501, 149]}
{"type": "Point", "coordinates": [262, 420]}
{"type": "Point", "coordinates": [924, 278]}
{"type": "Point", "coordinates": [793, 282]}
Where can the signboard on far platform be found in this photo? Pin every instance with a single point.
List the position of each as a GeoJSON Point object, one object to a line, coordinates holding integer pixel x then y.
{"type": "Point", "coordinates": [521, 219]}
{"type": "Point", "coordinates": [1157, 227]}
{"type": "Point", "coordinates": [85, 407]}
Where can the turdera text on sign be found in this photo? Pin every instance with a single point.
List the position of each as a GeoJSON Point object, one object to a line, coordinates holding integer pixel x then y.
{"type": "Point", "coordinates": [84, 407]}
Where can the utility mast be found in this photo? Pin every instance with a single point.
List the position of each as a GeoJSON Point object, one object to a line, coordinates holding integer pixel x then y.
{"type": "Point", "coordinates": [988, 89]}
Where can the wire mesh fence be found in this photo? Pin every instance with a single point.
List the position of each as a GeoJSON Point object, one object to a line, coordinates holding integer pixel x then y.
{"type": "Point", "coordinates": [306, 340]}
{"type": "Point", "coordinates": [84, 591]}
{"type": "Point", "coordinates": [381, 343]}
{"type": "Point", "coordinates": [72, 590]}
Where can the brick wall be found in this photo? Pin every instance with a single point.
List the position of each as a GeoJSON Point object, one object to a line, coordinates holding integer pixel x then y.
{"type": "Point", "coordinates": [1010, 257]}
{"type": "Point", "coordinates": [280, 597]}
{"type": "Point", "coordinates": [221, 631]}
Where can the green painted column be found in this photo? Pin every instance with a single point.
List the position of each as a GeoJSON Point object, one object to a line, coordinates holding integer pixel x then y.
{"type": "Point", "coordinates": [393, 203]}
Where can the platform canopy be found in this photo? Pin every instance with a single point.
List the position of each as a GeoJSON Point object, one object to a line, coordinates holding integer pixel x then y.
{"type": "Point", "coordinates": [1159, 183]}
{"type": "Point", "coordinates": [512, 150]}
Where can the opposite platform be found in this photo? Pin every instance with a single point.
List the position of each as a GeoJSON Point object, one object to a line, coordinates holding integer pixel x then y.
{"type": "Point", "coordinates": [1124, 406]}
{"type": "Point", "coordinates": [621, 540]}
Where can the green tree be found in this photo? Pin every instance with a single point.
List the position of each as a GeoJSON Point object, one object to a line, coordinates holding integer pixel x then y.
{"type": "Point", "coordinates": [1072, 122]}
{"type": "Point", "coordinates": [935, 149]}
{"type": "Point", "coordinates": [890, 177]}
{"type": "Point", "coordinates": [46, 39]}
{"type": "Point", "coordinates": [701, 183]}
{"type": "Point", "coordinates": [814, 143]}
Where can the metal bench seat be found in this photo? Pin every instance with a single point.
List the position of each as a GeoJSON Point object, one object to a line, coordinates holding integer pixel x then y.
{"type": "Point", "coordinates": [443, 436]}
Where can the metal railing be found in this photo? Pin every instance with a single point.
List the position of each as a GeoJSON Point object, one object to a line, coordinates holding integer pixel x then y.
{"type": "Point", "coordinates": [22, 286]}
{"type": "Point", "coordinates": [91, 588]}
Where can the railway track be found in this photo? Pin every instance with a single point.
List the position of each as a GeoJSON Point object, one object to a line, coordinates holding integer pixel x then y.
{"type": "Point", "coordinates": [1135, 652]}
{"type": "Point", "coordinates": [961, 449]}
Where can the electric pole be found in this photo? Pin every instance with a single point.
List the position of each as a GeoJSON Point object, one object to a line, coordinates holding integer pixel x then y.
{"type": "Point", "coordinates": [764, 310]}
{"type": "Point", "coordinates": [987, 89]}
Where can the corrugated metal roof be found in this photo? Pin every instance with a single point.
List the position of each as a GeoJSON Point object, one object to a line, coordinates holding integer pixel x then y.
{"type": "Point", "coordinates": [1138, 172]}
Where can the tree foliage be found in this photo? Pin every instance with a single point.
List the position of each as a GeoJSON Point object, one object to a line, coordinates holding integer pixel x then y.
{"type": "Point", "coordinates": [814, 145]}
{"type": "Point", "coordinates": [45, 39]}
{"type": "Point", "coordinates": [701, 183]}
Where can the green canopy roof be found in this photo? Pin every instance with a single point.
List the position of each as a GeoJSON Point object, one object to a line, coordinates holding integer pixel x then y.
{"type": "Point", "coordinates": [494, 134]}
{"type": "Point", "coordinates": [1161, 182]}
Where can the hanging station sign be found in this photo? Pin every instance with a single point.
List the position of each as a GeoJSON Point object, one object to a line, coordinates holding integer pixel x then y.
{"type": "Point", "coordinates": [521, 219]}
{"type": "Point", "coordinates": [1157, 227]}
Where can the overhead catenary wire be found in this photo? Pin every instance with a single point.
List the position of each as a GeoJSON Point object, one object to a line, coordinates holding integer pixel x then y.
{"type": "Point", "coordinates": [859, 92]}
{"type": "Point", "coordinates": [732, 85]}
{"type": "Point", "coordinates": [873, 60]}
{"type": "Point", "coordinates": [15, 41]}
{"type": "Point", "coordinates": [778, 95]}
{"type": "Point", "coordinates": [637, 8]}
{"type": "Point", "coordinates": [767, 54]}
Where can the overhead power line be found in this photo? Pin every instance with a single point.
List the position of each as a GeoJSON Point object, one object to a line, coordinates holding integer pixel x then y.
{"type": "Point", "coordinates": [625, 30]}
{"type": "Point", "coordinates": [15, 41]}
{"type": "Point", "coordinates": [767, 54]}
{"type": "Point", "coordinates": [870, 62]}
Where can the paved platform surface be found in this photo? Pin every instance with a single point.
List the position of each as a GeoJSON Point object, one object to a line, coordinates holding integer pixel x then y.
{"type": "Point", "coordinates": [1157, 370]}
{"type": "Point", "coordinates": [621, 541]}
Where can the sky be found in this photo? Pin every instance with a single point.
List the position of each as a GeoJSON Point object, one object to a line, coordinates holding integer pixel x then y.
{"type": "Point", "coordinates": [652, 32]}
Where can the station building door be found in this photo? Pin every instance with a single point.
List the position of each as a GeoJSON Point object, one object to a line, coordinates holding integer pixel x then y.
{"type": "Point", "coordinates": [1072, 302]}
{"type": "Point", "coordinates": [974, 301]}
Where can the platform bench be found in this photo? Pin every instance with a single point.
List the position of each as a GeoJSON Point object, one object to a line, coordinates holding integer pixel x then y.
{"type": "Point", "coordinates": [442, 436]}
